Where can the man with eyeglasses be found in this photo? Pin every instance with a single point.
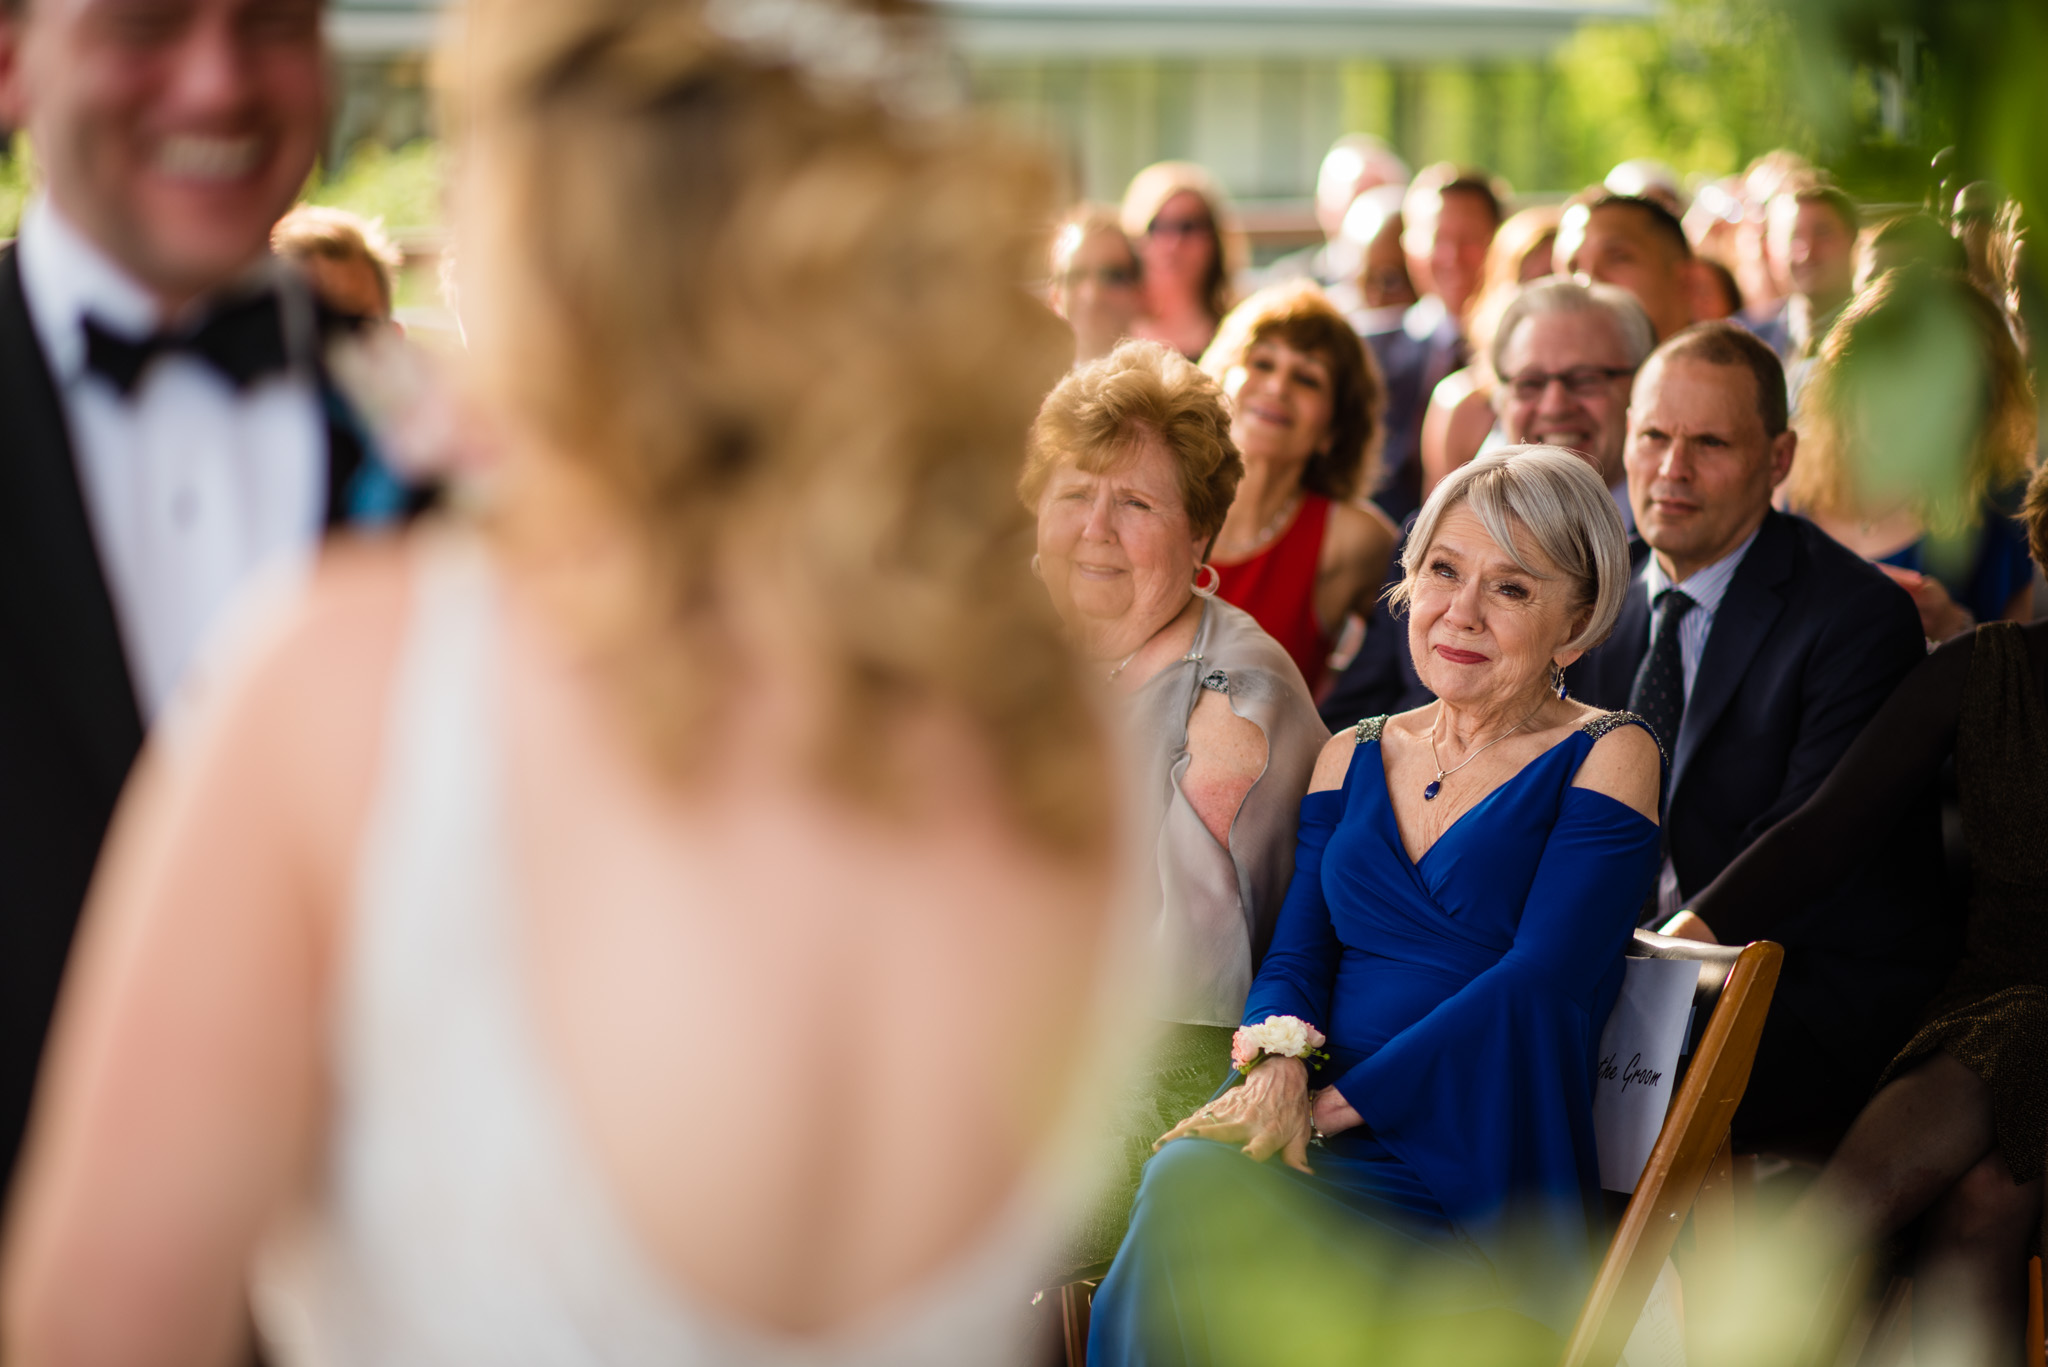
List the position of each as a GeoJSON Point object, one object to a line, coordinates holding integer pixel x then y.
{"type": "Point", "coordinates": [1566, 354]}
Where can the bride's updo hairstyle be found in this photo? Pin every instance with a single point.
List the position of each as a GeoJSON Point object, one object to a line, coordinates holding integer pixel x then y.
{"type": "Point", "coordinates": [738, 268]}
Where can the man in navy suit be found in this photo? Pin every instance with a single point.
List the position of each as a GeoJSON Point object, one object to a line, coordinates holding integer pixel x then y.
{"type": "Point", "coordinates": [1758, 647]}
{"type": "Point", "coordinates": [168, 430]}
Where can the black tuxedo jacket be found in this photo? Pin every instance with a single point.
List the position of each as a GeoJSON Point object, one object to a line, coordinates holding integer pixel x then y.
{"type": "Point", "coordinates": [70, 726]}
{"type": "Point", "coordinates": [1807, 643]}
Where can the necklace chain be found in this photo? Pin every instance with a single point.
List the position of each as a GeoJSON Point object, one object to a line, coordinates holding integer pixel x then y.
{"type": "Point", "coordinates": [1272, 528]}
{"type": "Point", "coordinates": [1442, 773]}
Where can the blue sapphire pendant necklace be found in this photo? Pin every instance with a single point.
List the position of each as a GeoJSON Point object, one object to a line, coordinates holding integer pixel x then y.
{"type": "Point", "coordinates": [1436, 785]}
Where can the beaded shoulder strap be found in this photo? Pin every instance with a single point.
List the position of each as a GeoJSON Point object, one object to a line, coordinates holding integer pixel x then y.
{"type": "Point", "coordinates": [1613, 721]}
{"type": "Point", "coordinates": [1368, 729]}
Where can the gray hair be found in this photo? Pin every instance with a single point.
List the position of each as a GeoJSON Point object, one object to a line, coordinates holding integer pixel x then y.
{"type": "Point", "coordinates": [1554, 497]}
{"type": "Point", "coordinates": [1560, 294]}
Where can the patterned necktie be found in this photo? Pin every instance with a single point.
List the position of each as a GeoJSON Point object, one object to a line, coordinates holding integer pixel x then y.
{"type": "Point", "coordinates": [1659, 693]}
{"type": "Point", "coordinates": [244, 342]}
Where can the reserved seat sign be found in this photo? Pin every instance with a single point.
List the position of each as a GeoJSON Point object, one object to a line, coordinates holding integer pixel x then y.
{"type": "Point", "coordinates": [1637, 1064]}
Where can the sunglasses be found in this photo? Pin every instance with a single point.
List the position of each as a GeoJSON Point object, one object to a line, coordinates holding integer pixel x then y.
{"type": "Point", "coordinates": [1108, 277]}
{"type": "Point", "coordinates": [1180, 227]}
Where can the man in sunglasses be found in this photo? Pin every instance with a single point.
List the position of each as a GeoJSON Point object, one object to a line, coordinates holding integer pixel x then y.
{"type": "Point", "coordinates": [1566, 353]}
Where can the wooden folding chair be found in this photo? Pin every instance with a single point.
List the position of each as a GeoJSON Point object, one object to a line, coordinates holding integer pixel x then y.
{"type": "Point", "coordinates": [1692, 1167]}
{"type": "Point", "coordinates": [2037, 1329]}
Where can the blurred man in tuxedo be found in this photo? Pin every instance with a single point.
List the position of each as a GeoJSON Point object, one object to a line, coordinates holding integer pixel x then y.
{"type": "Point", "coordinates": [1757, 648]}
{"type": "Point", "coordinates": [169, 432]}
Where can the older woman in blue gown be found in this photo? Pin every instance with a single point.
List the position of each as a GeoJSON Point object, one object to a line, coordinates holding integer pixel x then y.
{"type": "Point", "coordinates": [1466, 880]}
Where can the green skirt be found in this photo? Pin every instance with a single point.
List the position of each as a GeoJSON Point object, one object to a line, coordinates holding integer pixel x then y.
{"type": "Point", "coordinates": [1188, 1064]}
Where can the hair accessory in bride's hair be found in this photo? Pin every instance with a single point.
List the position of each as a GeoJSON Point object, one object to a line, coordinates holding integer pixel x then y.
{"type": "Point", "coordinates": [897, 61]}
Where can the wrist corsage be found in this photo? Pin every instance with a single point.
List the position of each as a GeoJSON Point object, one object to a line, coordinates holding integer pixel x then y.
{"type": "Point", "coordinates": [1286, 1036]}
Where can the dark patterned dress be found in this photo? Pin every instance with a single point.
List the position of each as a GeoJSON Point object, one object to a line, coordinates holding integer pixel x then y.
{"type": "Point", "coordinates": [1992, 1015]}
{"type": "Point", "coordinates": [1981, 698]}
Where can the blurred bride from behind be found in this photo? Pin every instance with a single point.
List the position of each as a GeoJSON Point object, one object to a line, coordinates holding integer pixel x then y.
{"type": "Point", "coordinates": [653, 921]}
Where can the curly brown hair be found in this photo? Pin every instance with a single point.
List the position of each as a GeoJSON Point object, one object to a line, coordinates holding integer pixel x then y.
{"type": "Point", "coordinates": [1300, 315]}
{"type": "Point", "coordinates": [1092, 417]}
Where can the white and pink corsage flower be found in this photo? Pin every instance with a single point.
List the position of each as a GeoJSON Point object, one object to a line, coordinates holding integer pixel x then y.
{"type": "Point", "coordinates": [1286, 1036]}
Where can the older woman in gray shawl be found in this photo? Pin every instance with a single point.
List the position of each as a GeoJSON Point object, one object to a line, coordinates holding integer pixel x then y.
{"type": "Point", "coordinates": [1130, 473]}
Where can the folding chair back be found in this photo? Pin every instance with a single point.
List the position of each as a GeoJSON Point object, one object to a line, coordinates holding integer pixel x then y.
{"type": "Point", "coordinates": [1734, 996]}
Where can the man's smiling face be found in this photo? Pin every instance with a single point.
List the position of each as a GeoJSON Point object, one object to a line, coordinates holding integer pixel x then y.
{"type": "Point", "coordinates": [173, 133]}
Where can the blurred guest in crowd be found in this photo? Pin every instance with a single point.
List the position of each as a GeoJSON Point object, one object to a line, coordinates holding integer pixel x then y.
{"type": "Point", "coordinates": [1567, 354]}
{"type": "Point", "coordinates": [1460, 411]}
{"type": "Point", "coordinates": [1974, 219]}
{"type": "Point", "coordinates": [1449, 218]}
{"type": "Point", "coordinates": [1648, 178]}
{"type": "Point", "coordinates": [1637, 244]}
{"type": "Point", "coordinates": [1094, 282]}
{"type": "Point", "coordinates": [1301, 548]}
{"type": "Point", "coordinates": [1907, 239]}
{"type": "Point", "coordinates": [349, 260]}
{"type": "Point", "coordinates": [170, 432]}
{"type": "Point", "coordinates": [1813, 231]}
{"type": "Point", "coordinates": [1467, 878]}
{"type": "Point", "coordinates": [1712, 222]}
{"type": "Point", "coordinates": [1917, 435]}
{"type": "Point", "coordinates": [1958, 1130]}
{"type": "Point", "coordinates": [1130, 472]}
{"type": "Point", "coordinates": [1715, 295]}
{"type": "Point", "coordinates": [509, 857]}
{"type": "Point", "coordinates": [1758, 269]}
{"type": "Point", "coordinates": [1192, 252]}
{"type": "Point", "coordinates": [1757, 647]}
{"type": "Point", "coordinates": [1380, 290]}
{"type": "Point", "coordinates": [1355, 163]}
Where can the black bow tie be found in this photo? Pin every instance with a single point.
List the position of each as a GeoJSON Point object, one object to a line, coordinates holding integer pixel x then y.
{"type": "Point", "coordinates": [244, 342]}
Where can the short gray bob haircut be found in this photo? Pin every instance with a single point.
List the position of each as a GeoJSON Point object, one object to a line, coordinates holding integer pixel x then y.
{"type": "Point", "coordinates": [1560, 294]}
{"type": "Point", "coordinates": [1554, 499]}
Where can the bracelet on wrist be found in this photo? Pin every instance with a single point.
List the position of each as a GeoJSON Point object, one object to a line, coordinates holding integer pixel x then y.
{"type": "Point", "coordinates": [1278, 1037]}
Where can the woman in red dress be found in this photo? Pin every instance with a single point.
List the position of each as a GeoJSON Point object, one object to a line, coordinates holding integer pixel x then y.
{"type": "Point", "coordinates": [1302, 548]}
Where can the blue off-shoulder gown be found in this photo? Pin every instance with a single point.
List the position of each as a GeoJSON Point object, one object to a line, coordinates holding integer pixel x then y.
{"type": "Point", "coordinates": [1463, 996]}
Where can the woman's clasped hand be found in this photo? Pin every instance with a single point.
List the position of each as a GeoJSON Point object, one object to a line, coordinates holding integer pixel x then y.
{"type": "Point", "coordinates": [1272, 1113]}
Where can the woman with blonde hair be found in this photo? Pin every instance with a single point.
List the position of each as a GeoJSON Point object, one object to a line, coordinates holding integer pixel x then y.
{"type": "Point", "coordinates": [1302, 548]}
{"type": "Point", "coordinates": [1192, 248]}
{"type": "Point", "coordinates": [1413, 1136]}
{"type": "Point", "coordinates": [1095, 281]}
{"type": "Point", "coordinates": [660, 923]}
{"type": "Point", "coordinates": [1916, 436]}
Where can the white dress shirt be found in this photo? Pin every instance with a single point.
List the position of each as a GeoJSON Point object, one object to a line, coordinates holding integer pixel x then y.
{"type": "Point", "coordinates": [1706, 587]}
{"type": "Point", "coordinates": [191, 486]}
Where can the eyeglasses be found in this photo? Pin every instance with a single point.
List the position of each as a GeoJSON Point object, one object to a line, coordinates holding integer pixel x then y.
{"type": "Point", "coordinates": [1179, 227]}
{"type": "Point", "coordinates": [1108, 277]}
{"type": "Point", "coordinates": [1581, 382]}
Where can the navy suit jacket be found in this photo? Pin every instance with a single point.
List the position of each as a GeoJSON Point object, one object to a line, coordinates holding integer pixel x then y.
{"type": "Point", "coordinates": [1807, 643]}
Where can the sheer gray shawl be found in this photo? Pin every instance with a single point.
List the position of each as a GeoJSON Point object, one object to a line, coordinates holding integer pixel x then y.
{"type": "Point", "coordinates": [1216, 907]}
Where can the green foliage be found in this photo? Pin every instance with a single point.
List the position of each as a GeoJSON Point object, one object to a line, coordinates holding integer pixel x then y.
{"type": "Point", "coordinates": [1706, 86]}
{"type": "Point", "coordinates": [17, 182]}
{"type": "Point", "coordinates": [401, 187]}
